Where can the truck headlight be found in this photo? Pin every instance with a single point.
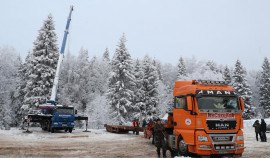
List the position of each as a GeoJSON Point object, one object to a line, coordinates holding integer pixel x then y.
{"type": "Point", "coordinates": [240, 138]}
{"type": "Point", "coordinates": [202, 139]}
{"type": "Point", "coordinates": [55, 123]}
{"type": "Point", "coordinates": [239, 145]}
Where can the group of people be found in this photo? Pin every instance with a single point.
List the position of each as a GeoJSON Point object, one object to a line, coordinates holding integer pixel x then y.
{"type": "Point", "coordinates": [260, 130]}
{"type": "Point", "coordinates": [136, 123]}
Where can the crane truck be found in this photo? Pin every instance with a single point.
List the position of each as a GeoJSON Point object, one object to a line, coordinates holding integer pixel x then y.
{"type": "Point", "coordinates": [52, 116]}
{"type": "Point", "coordinates": [206, 120]}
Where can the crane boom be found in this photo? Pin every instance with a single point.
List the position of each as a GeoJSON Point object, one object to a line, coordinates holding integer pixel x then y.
{"type": "Point", "coordinates": [61, 56]}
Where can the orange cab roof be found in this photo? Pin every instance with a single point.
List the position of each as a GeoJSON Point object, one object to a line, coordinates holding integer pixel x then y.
{"type": "Point", "coordinates": [190, 87]}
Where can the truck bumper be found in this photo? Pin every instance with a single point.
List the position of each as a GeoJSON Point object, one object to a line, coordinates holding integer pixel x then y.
{"type": "Point", "coordinates": [63, 125]}
{"type": "Point", "coordinates": [216, 144]}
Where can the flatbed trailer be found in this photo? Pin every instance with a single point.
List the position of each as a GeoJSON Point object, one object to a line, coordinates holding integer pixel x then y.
{"type": "Point", "coordinates": [123, 129]}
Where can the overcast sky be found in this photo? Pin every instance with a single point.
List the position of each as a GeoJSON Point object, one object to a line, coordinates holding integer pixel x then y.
{"type": "Point", "coordinates": [218, 30]}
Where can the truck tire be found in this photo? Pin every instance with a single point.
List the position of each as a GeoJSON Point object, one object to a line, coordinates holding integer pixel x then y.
{"type": "Point", "coordinates": [70, 130]}
{"type": "Point", "coordinates": [49, 127]}
{"type": "Point", "coordinates": [182, 147]}
{"type": "Point", "coordinates": [52, 130]}
{"type": "Point", "coordinates": [173, 153]}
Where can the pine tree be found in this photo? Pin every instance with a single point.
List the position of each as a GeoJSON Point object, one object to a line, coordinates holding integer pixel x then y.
{"type": "Point", "coordinates": [138, 100]}
{"type": "Point", "coordinates": [265, 88]}
{"type": "Point", "coordinates": [150, 84]}
{"type": "Point", "coordinates": [82, 90]}
{"type": "Point", "coordinates": [182, 72]}
{"type": "Point", "coordinates": [242, 88]}
{"type": "Point", "coordinates": [212, 66]}
{"type": "Point", "coordinates": [106, 55]}
{"type": "Point", "coordinates": [67, 80]}
{"type": "Point", "coordinates": [42, 65]}
{"type": "Point", "coordinates": [157, 64]}
{"type": "Point", "coordinates": [227, 75]}
{"type": "Point", "coordinates": [121, 85]}
{"type": "Point", "coordinates": [18, 95]}
{"type": "Point", "coordinates": [9, 65]}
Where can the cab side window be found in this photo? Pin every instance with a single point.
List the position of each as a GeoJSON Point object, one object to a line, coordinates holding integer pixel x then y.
{"type": "Point", "coordinates": [180, 103]}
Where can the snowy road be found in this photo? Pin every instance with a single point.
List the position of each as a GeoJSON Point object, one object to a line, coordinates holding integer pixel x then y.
{"type": "Point", "coordinates": [97, 143]}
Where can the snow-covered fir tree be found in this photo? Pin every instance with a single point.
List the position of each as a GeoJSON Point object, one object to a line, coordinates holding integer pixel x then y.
{"type": "Point", "coordinates": [18, 95]}
{"type": "Point", "coordinates": [157, 64]}
{"type": "Point", "coordinates": [242, 88]}
{"type": "Point", "coordinates": [121, 85]}
{"type": "Point", "coordinates": [82, 74]}
{"type": "Point", "coordinates": [106, 55]}
{"type": "Point", "coordinates": [138, 99]}
{"type": "Point", "coordinates": [212, 66]}
{"type": "Point", "coordinates": [9, 68]}
{"type": "Point", "coordinates": [227, 75]}
{"type": "Point", "coordinates": [169, 75]}
{"type": "Point", "coordinates": [265, 88]}
{"type": "Point", "coordinates": [67, 80]}
{"type": "Point", "coordinates": [150, 85]}
{"type": "Point", "coordinates": [42, 65]}
{"type": "Point", "coordinates": [182, 72]}
{"type": "Point", "coordinates": [253, 79]}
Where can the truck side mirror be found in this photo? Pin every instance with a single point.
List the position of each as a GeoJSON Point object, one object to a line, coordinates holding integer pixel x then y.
{"type": "Point", "coordinates": [242, 105]}
{"type": "Point", "coordinates": [76, 111]}
{"type": "Point", "coordinates": [189, 103]}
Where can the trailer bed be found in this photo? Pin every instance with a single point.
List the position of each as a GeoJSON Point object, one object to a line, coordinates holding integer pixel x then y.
{"type": "Point", "coordinates": [122, 129]}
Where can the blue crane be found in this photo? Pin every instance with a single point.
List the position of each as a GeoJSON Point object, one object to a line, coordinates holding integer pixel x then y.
{"type": "Point", "coordinates": [57, 117]}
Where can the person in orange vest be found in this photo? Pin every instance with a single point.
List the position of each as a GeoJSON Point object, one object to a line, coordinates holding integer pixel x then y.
{"type": "Point", "coordinates": [134, 124]}
{"type": "Point", "coordinates": [137, 126]}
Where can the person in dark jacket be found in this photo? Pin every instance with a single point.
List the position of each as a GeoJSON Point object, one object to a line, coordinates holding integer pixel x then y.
{"type": "Point", "coordinates": [263, 130]}
{"type": "Point", "coordinates": [144, 123]}
{"type": "Point", "coordinates": [159, 131]}
{"type": "Point", "coordinates": [257, 126]}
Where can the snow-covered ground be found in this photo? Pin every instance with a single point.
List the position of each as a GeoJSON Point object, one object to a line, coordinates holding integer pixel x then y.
{"type": "Point", "coordinates": [99, 143]}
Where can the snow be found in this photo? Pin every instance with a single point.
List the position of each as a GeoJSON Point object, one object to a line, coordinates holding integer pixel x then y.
{"type": "Point", "coordinates": [99, 143]}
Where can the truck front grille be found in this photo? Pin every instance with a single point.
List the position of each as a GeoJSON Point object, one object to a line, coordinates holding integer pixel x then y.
{"type": "Point", "coordinates": [221, 124]}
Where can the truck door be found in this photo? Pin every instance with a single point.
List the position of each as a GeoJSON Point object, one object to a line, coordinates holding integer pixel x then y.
{"type": "Point", "coordinates": [184, 121]}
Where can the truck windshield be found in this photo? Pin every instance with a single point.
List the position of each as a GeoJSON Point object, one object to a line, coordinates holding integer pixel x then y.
{"type": "Point", "coordinates": [209, 102]}
{"type": "Point", "coordinates": [64, 111]}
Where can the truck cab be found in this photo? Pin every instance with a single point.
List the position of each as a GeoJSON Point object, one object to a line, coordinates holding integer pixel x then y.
{"type": "Point", "coordinates": [63, 118]}
{"type": "Point", "coordinates": [55, 117]}
{"type": "Point", "coordinates": [207, 119]}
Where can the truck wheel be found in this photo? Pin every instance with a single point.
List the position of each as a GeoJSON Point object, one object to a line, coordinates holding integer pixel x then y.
{"type": "Point", "coordinates": [52, 130]}
{"type": "Point", "coordinates": [70, 130]}
{"type": "Point", "coordinates": [49, 127]}
{"type": "Point", "coordinates": [173, 153]}
{"type": "Point", "coordinates": [182, 147]}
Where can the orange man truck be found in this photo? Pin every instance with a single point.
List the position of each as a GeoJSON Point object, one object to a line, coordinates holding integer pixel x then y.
{"type": "Point", "coordinates": [206, 120]}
